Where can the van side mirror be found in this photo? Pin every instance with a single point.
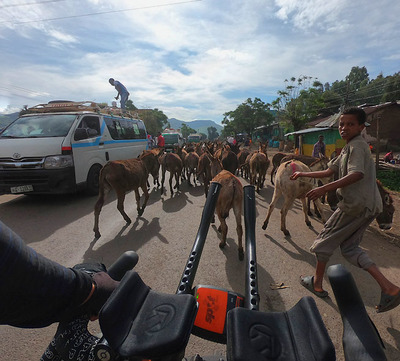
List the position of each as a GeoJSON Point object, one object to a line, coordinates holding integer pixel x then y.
{"type": "Point", "coordinates": [80, 134]}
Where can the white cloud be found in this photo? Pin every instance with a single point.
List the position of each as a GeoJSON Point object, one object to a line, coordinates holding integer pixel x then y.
{"type": "Point", "coordinates": [191, 60]}
{"type": "Point", "coordinates": [306, 14]}
{"type": "Point", "coordinates": [62, 37]}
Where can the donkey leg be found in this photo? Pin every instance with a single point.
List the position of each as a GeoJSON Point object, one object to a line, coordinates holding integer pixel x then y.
{"type": "Point", "coordinates": [239, 230]}
{"type": "Point", "coordinates": [284, 211]}
{"type": "Point", "coordinates": [146, 198]}
{"type": "Point", "coordinates": [316, 210]}
{"type": "Point", "coordinates": [305, 211]}
{"type": "Point", "coordinates": [272, 175]}
{"type": "Point", "coordinates": [171, 177]}
{"type": "Point", "coordinates": [319, 207]}
{"type": "Point", "coordinates": [120, 205]}
{"type": "Point", "coordinates": [275, 197]}
{"type": "Point", "coordinates": [97, 209]}
{"type": "Point", "coordinates": [162, 180]}
{"type": "Point", "coordinates": [224, 231]}
{"type": "Point", "coordinates": [177, 181]}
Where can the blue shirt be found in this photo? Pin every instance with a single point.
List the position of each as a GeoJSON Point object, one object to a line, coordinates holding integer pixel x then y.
{"type": "Point", "coordinates": [120, 88]}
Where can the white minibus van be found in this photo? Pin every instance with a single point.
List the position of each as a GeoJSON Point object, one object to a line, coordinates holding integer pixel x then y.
{"type": "Point", "coordinates": [61, 146]}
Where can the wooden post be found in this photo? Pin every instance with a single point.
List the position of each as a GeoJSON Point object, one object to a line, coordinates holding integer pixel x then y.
{"type": "Point", "coordinates": [301, 144]}
{"type": "Point", "coordinates": [378, 143]}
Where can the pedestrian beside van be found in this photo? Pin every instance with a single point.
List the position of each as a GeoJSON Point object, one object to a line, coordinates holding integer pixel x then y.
{"type": "Point", "coordinates": [61, 146]}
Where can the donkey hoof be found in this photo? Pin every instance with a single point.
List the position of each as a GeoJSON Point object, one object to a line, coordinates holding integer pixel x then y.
{"type": "Point", "coordinates": [97, 234]}
{"type": "Point", "coordinates": [308, 223]}
{"type": "Point", "coordinates": [241, 254]}
{"type": "Point", "coordinates": [264, 226]}
{"type": "Point", "coordinates": [286, 232]}
{"type": "Point", "coordinates": [222, 245]}
{"type": "Point", "coordinates": [140, 212]}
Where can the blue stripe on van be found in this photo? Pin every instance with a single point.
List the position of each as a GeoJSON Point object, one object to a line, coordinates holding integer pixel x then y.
{"type": "Point", "coordinates": [97, 141]}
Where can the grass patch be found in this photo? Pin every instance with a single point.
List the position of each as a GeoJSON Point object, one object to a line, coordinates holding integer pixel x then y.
{"type": "Point", "coordinates": [390, 179]}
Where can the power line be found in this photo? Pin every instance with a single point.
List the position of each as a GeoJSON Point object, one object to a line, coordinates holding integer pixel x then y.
{"type": "Point", "coordinates": [355, 100]}
{"type": "Point", "coordinates": [98, 13]}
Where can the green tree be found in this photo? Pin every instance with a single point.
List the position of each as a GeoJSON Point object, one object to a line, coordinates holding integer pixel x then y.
{"type": "Point", "coordinates": [332, 101]}
{"type": "Point", "coordinates": [212, 133]}
{"type": "Point", "coordinates": [392, 88]}
{"type": "Point", "coordinates": [246, 117]}
{"type": "Point", "coordinates": [186, 131]}
{"type": "Point", "coordinates": [154, 119]}
{"type": "Point", "coordinates": [299, 102]}
{"type": "Point", "coordinates": [129, 105]}
{"type": "Point", "coordinates": [357, 78]}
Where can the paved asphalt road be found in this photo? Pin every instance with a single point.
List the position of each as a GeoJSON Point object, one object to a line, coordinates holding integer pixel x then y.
{"type": "Point", "coordinates": [61, 229]}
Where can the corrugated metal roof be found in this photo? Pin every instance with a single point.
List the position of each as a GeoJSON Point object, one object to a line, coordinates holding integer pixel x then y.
{"type": "Point", "coordinates": [267, 126]}
{"type": "Point", "coordinates": [331, 122]}
{"type": "Point", "coordinates": [309, 130]}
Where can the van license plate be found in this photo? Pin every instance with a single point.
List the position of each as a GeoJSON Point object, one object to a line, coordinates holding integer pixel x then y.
{"type": "Point", "coordinates": [22, 189]}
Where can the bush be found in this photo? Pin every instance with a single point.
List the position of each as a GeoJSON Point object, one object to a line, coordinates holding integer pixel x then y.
{"type": "Point", "coordinates": [390, 179]}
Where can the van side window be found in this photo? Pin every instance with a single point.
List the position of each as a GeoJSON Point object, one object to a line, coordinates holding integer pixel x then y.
{"type": "Point", "coordinates": [91, 124]}
{"type": "Point", "coordinates": [125, 128]}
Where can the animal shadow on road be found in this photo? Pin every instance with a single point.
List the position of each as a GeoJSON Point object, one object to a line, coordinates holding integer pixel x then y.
{"type": "Point", "coordinates": [396, 336]}
{"type": "Point", "coordinates": [133, 240]}
{"type": "Point", "coordinates": [175, 203]}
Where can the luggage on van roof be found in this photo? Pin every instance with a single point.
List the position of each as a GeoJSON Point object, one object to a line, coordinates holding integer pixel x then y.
{"type": "Point", "coordinates": [71, 106]}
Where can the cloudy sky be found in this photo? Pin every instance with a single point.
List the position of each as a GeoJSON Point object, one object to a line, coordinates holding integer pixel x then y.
{"type": "Point", "coordinates": [193, 59]}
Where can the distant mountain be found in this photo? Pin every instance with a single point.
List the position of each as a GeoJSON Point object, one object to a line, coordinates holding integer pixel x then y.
{"type": "Point", "coordinates": [200, 126]}
{"type": "Point", "coordinates": [6, 119]}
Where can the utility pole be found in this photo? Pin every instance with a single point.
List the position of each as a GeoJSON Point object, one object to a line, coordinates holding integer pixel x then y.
{"type": "Point", "coordinates": [346, 98]}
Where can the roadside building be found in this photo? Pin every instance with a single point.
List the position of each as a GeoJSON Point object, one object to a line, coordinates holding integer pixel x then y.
{"type": "Point", "coordinates": [383, 132]}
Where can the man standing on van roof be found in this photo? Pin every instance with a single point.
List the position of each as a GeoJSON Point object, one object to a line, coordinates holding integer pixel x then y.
{"type": "Point", "coordinates": [122, 91]}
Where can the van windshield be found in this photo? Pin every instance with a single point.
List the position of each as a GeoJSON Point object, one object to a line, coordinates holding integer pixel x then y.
{"type": "Point", "coordinates": [194, 138]}
{"type": "Point", "coordinates": [171, 138]}
{"type": "Point", "coordinates": [40, 126]}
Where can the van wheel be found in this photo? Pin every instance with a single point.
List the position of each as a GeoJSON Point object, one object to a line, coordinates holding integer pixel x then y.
{"type": "Point", "coordinates": [92, 182]}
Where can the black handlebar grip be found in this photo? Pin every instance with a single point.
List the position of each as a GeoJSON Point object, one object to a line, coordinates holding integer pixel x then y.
{"type": "Point", "coordinates": [124, 263]}
{"type": "Point", "coordinates": [187, 279]}
{"type": "Point", "coordinates": [252, 297]}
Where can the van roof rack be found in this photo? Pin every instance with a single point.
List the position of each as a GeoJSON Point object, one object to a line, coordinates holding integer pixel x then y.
{"type": "Point", "coordinates": [71, 106]}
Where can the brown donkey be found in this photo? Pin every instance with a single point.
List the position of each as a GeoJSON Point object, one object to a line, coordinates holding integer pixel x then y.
{"type": "Point", "coordinates": [230, 196]}
{"type": "Point", "coordinates": [191, 163]}
{"type": "Point", "coordinates": [123, 176]}
{"type": "Point", "coordinates": [208, 168]}
{"type": "Point", "coordinates": [259, 164]}
{"type": "Point", "coordinates": [150, 160]}
{"type": "Point", "coordinates": [172, 163]}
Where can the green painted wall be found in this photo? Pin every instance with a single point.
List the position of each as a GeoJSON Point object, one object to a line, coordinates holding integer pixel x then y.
{"type": "Point", "coordinates": [332, 140]}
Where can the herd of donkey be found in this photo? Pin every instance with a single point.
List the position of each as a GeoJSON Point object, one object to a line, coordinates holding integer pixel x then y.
{"type": "Point", "coordinates": [223, 163]}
